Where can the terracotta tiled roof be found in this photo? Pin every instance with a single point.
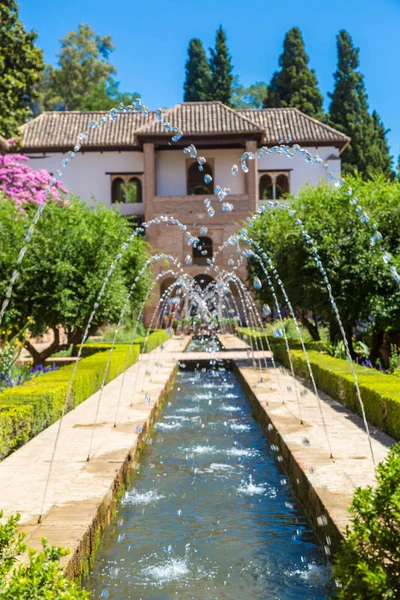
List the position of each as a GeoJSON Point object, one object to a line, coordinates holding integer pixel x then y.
{"type": "Point", "coordinates": [202, 118]}
{"type": "Point", "coordinates": [60, 130]}
{"type": "Point", "coordinates": [290, 123]}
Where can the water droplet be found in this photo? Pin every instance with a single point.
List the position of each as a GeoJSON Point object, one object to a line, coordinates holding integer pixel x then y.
{"type": "Point", "coordinates": [227, 207]}
{"type": "Point", "coordinates": [257, 283]}
{"type": "Point", "coordinates": [395, 274]}
{"type": "Point", "coordinates": [179, 513]}
{"type": "Point", "coordinates": [211, 212]}
{"type": "Point", "coordinates": [147, 399]}
{"type": "Point", "coordinates": [201, 160]}
{"type": "Point", "coordinates": [159, 114]}
{"type": "Point", "coordinates": [386, 257]}
{"type": "Point", "coordinates": [234, 170]}
{"type": "Point", "coordinates": [188, 259]}
{"type": "Point", "coordinates": [266, 310]}
{"type": "Point", "coordinates": [105, 593]}
{"type": "Point", "coordinates": [306, 442]}
{"type": "Point", "coordinates": [322, 521]}
{"type": "Point", "coordinates": [375, 238]}
{"type": "Point", "coordinates": [207, 178]}
{"type": "Point", "coordinates": [203, 230]}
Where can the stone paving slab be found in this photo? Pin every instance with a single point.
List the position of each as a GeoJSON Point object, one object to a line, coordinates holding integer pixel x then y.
{"type": "Point", "coordinates": [328, 483]}
{"type": "Point", "coordinates": [233, 342]}
{"type": "Point", "coordinates": [79, 489]}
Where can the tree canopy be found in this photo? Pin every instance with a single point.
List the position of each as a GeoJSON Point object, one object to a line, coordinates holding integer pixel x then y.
{"type": "Point", "coordinates": [197, 86]}
{"type": "Point", "coordinates": [248, 97]}
{"type": "Point", "coordinates": [21, 65]}
{"type": "Point", "coordinates": [65, 265]}
{"type": "Point", "coordinates": [83, 79]}
{"type": "Point", "coordinates": [295, 84]}
{"type": "Point", "coordinates": [362, 284]}
{"type": "Point", "coordinates": [221, 69]}
{"type": "Point", "coordinates": [368, 152]}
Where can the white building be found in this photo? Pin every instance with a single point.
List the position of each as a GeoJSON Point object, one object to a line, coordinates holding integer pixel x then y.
{"type": "Point", "coordinates": [132, 163]}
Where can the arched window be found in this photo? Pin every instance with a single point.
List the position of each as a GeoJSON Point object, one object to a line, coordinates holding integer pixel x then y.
{"type": "Point", "coordinates": [126, 189]}
{"type": "Point", "coordinates": [165, 284]}
{"type": "Point", "coordinates": [134, 190]}
{"type": "Point", "coordinates": [282, 186]}
{"type": "Point", "coordinates": [118, 190]}
{"type": "Point", "coordinates": [203, 280]}
{"type": "Point", "coordinates": [195, 180]}
{"type": "Point", "coordinates": [203, 251]}
{"type": "Point", "coordinates": [266, 188]}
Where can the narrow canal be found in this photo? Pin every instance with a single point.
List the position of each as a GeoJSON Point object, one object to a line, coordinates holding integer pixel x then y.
{"type": "Point", "coordinates": [209, 514]}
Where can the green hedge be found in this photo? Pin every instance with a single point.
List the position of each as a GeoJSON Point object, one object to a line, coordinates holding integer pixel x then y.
{"type": "Point", "coordinates": [29, 408]}
{"type": "Point", "coordinates": [380, 393]}
{"type": "Point", "coordinates": [155, 339]}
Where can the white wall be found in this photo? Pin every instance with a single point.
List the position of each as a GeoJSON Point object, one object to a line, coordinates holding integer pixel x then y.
{"type": "Point", "coordinates": [302, 172]}
{"type": "Point", "coordinates": [85, 176]}
{"type": "Point", "coordinates": [171, 171]}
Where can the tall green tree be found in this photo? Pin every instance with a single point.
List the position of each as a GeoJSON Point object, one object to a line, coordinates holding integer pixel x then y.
{"type": "Point", "coordinates": [383, 161]}
{"type": "Point", "coordinates": [221, 69]}
{"type": "Point", "coordinates": [21, 64]}
{"type": "Point", "coordinates": [295, 84]}
{"type": "Point", "coordinates": [197, 86]}
{"type": "Point", "coordinates": [367, 152]}
{"type": "Point", "coordinates": [83, 78]}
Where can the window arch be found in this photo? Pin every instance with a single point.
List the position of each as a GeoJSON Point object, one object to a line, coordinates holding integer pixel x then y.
{"type": "Point", "coordinates": [202, 251]}
{"type": "Point", "coordinates": [282, 186]}
{"type": "Point", "coordinates": [165, 284]}
{"type": "Point", "coordinates": [195, 179]}
{"type": "Point", "coordinates": [134, 190]}
{"type": "Point", "coordinates": [266, 188]}
{"type": "Point", "coordinates": [118, 190]}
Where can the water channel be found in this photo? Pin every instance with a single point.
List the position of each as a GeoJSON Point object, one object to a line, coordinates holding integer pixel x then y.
{"type": "Point", "coordinates": [209, 514]}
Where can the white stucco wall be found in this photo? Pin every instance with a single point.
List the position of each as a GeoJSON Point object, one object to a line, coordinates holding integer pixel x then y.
{"type": "Point", "coordinates": [85, 176]}
{"type": "Point", "coordinates": [301, 172]}
{"type": "Point", "coordinates": [171, 171]}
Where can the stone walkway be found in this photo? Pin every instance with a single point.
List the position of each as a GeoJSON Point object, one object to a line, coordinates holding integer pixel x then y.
{"type": "Point", "coordinates": [81, 494]}
{"type": "Point", "coordinates": [325, 485]}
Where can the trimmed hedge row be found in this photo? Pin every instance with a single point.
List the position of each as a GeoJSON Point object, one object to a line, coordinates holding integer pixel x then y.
{"type": "Point", "coordinates": [155, 339]}
{"type": "Point", "coordinates": [29, 408]}
{"type": "Point", "coordinates": [380, 393]}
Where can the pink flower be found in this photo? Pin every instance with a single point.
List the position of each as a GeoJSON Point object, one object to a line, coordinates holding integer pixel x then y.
{"type": "Point", "coordinates": [24, 185]}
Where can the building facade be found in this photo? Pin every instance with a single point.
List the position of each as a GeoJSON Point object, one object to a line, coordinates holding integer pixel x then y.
{"type": "Point", "coordinates": [132, 163]}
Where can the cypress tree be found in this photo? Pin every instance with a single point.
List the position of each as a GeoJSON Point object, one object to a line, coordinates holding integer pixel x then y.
{"type": "Point", "coordinates": [221, 69]}
{"type": "Point", "coordinates": [382, 161]}
{"type": "Point", "coordinates": [21, 65]}
{"type": "Point", "coordinates": [368, 151]}
{"type": "Point", "coordinates": [295, 84]}
{"type": "Point", "coordinates": [197, 86]}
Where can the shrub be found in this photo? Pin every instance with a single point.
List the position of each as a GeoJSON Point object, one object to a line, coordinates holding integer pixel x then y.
{"type": "Point", "coordinates": [367, 565]}
{"type": "Point", "coordinates": [380, 393]}
{"type": "Point", "coordinates": [155, 339]}
{"type": "Point", "coordinates": [29, 408]}
{"type": "Point", "coordinates": [40, 576]}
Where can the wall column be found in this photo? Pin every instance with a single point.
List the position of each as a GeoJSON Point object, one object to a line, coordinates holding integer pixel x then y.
{"type": "Point", "coordinates": [251, 177]}
{"type": "Point", "coordinates": [149, 179]}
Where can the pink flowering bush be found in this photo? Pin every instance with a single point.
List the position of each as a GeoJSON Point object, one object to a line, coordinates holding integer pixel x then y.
{"type": "Point", "coordinates": [25, 185]}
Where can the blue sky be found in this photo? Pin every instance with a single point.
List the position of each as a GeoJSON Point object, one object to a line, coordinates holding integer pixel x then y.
{"type": "Point", "coordinates": [151, 39]}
